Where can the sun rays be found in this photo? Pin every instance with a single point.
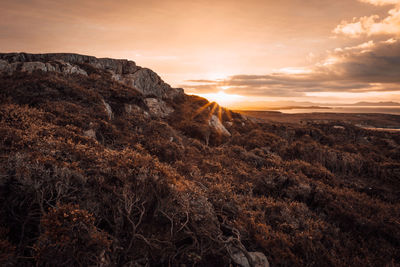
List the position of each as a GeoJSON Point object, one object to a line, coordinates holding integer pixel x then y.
{"type": "Point", "coordinates": [222, 98]}
{"type": "Point", "coordinates": [213, 108]}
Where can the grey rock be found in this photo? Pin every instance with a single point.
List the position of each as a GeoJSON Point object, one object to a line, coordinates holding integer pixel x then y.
{"type": "Point", "coordinates": [128, 108]}
{"type": "Point", "coordinates": [8, 68]}
{"type": "Point", "coordinates": [150, 84]}
{"type": "Point", "coordinates": [338, 127]}
{"type": "Point", "coordinates": [216, 124]}
{"type": "Point", "coordinates": [258, 259]}
{"type": "Point", "coordinates": [90, 133]}
{"type": "Point", "coordinates": [4, 66]}
{"type": "Point", "coordinates": [32, 66]}
{"type": "Point", "coordinates": [67, 68]}
{"type": "Point", "coordinates": [158, 107]}
{"type": "Point", "coordinates": [50, 67]}
{"type": "Point", "coordinates": [108, 110]}
{"type": "Point", "coordinates": [135, 109]}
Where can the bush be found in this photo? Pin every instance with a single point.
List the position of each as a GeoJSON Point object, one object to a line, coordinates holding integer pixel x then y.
{"type": "Point", "coordinates": [70, 238]}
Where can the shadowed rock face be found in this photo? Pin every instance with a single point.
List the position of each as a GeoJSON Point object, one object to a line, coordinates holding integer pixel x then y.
{"type": "Point", "coordinates": [122, 70]}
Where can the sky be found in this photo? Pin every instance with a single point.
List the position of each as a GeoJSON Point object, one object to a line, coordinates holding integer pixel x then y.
{"type": "Point", "coordinates": [240, 53]}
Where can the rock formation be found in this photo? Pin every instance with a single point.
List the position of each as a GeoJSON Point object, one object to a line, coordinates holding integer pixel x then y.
{"type": "Point", "coordinates": [216, 124]}
{"type": "Point", "coordinates": [157, 93]}
{"type": "Point", "coordinates": [122, 70]}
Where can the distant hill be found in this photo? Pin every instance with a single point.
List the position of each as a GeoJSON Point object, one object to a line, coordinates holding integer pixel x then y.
{"type": "Point", "coordinates": [104, 164]}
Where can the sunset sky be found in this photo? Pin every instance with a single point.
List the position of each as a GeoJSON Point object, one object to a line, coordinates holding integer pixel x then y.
{"type": "Point", "coordinates": [239, 51]}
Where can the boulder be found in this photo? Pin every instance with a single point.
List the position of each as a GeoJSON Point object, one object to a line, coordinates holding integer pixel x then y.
{"type": "Point", "coordinates": [216, 124]}
{"type": "Point", "coordinates": [158, 108]}
{"type": "Point", "coordinates": [134, 109]}
{"type": "Point", "coordinates": [90, 133]}
{"type": "Point", "coordinates": [108, 109]}
{"type": "Point", "coordinates": [258, 259]}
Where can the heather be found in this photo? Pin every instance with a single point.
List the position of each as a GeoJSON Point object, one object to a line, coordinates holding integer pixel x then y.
{"type": "Point", "coordinates": [150, 191]}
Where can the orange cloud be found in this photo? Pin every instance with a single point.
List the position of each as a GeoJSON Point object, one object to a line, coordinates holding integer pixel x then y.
{"type": "Point", "coordinates": [381, 2]}
{"type": "Point", "coordinates": [371, 25]}
{"type": "Point", "coordinates": [365, 68]}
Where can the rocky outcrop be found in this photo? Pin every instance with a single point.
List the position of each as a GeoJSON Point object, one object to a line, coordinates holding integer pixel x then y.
{"type": "Point", "coordinates": [149, 84]}
{"type": "Point", "coordinates": [119, 66]}
{"type": "Point", "coordinates": [29, 67]}
{"type": "Point", "coordinates": [58, 66]}
{"type": "Point", "coordinates": [121, 70]}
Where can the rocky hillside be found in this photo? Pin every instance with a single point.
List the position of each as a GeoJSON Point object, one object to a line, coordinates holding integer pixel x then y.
{"type": "Point", "coordinates": [121, 70]}
{"type": "Point", "coordinates": [104, 164]}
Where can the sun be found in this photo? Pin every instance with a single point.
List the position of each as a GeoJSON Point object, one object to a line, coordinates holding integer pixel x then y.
{"type": "Point", "coordinates": [223, 99]}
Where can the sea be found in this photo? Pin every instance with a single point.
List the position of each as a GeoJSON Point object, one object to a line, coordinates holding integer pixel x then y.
{"type": "Point", "coordinates": [346, 109]}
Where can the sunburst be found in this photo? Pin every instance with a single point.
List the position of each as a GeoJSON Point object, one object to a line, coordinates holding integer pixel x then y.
{"type": "Point", "coordinates": [222, 98]}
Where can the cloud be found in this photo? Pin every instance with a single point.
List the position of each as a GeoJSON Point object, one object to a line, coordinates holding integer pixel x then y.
{"type": "Point", "coordinates": [366, 67]}
{"type": "Point", "coordinates": [381, 2]}
{"type": "Point", "coordinates": [371, 66]}
{"type": "Point", "coordinates": [368, 62]}
{"type": "Point", "coordinates": [372, 25]}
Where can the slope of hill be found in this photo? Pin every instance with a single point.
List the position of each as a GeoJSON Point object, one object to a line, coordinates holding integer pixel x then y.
{"type": "Point", "coordinates": [102, 163]}
{"type": "Point", "coordinates": [365, 120]}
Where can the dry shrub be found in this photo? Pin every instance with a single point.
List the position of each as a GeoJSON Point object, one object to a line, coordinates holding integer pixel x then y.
{"type": "Point", "coordinates": [7, 250]}
{"type": "Point", "coordinates": [302, 195]}
{"type": "Point", "coordinates": [70, 238]}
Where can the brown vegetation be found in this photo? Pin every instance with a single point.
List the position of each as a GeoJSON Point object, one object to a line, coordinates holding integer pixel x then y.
{"type": "Point", "coordinates": [151, 192]}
